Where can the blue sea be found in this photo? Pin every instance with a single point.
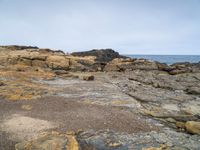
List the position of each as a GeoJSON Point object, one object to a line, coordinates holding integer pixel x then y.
{"type": "Point", "coordinates": [169, 59]}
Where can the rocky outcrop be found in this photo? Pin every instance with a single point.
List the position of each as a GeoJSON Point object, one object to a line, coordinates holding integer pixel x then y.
{"type": "Point", "coordinates": [102, 55]}
{"type": "Point", "coordinates": [165, 97]}
{"type": "Point", "coordinates": [129, 64]}
{"type": "Point", "coordinates": [17, 47]}
{"type": "Point", "coordinates": [94, 60]}
{"type": "Point", "coordinates": [46, 59]}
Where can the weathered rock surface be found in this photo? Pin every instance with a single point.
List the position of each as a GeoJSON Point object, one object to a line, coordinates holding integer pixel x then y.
{"type": "Point", "coordinates": [58, 62]}
{"type": "Point", "coordinates": [50, 141]}
{"type": "Point", "coordinates": [130, 64]}
{"type": "Point", "coordinates": [94, 60]}
{"type": "Point", "coordinates": [45, 58]}
{"type": "Point", "coordinates": [162, 94]}
{"type": "Point", "coordinates": [131, 104]}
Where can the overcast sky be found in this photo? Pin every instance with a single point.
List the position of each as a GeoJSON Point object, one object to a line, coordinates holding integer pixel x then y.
{"type": "Point", "coordinates": [128, 26]}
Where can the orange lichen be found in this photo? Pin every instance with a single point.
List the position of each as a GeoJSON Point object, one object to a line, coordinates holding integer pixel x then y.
{"type": "Point", "coordinates": [21, 86]}
{"type": "Point", "coordinates": [54, 141]}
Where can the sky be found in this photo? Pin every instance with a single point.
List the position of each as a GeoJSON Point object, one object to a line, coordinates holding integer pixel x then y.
{"type": "Point", "coordinates": [127, 26]}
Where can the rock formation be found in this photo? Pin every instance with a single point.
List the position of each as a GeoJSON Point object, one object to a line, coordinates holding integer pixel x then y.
{"type": "Point", "coordinates": [129, 103]}
{"type": "Point", "coordinates": [102, 55]}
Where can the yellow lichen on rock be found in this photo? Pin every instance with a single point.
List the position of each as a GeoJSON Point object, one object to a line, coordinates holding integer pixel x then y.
{"type": "Point", "coordinates": [19, 85]}
{"type": "Point", "coordinates": [50, 141]}
{"type": "Point", "coordinates": [193, 127]}
{"type": "Point", "coordinates": [72, 143]}
{"type": "Point", "coordinates": [180, 125]}
{"type": "Point", "coordinates": [162, 147]}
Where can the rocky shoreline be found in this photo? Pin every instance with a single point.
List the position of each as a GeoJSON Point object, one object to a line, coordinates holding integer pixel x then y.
{"type": "Point", "coordinates": [96, 100]}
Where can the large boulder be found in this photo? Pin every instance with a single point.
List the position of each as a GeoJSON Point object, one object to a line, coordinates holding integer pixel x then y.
{"type": "Point", "coordinates": [179, 68]}
{"type": "Point", "coordinates": [130, 64]}
{"type": "Point", "coordinates": [86, 63]}
{"type": "Point", "coordinates": [102, 55]}
{"type": "Point", "coordinates": [57, 62]}
{"type": "Point", "coordinates": [119, 64]}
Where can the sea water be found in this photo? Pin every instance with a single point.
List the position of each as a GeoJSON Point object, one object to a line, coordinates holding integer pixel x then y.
{"type": "Point", "coordinates": [169, 59]}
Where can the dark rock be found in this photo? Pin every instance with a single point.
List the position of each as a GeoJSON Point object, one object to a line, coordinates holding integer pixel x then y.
{"type": "Point", "coordinates": [179, 71]}
{"type": "Point", "coordinates": [57, 62]}
{"type": "Point", "coordinates": [164, 67]}
{"type": "Point", "coordinates": [2, 84]}
{"type": "Point", "coordinates": [182, 64]}
{"type": "Point", "coordinates": [179, 68]}
{"type": "Point", "coordinates": [17, 47]}
{"type": "Point", "coordinates": [102, 55]}
{"type": "Point", "coordinates": [51, 51]}
{"type": "Point", "coordinates": [61, 72]}
{"type": "Point", "coordinates": [193, 90]}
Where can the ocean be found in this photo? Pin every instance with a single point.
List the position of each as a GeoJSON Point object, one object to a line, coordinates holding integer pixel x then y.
{"type": "Point", "coordinates": [169, 59]}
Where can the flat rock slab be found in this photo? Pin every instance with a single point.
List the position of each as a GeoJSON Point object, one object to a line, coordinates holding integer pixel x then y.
{"type": "Point", "coordinates": [99, 92]}
{"type": "Point", "coordinates": [106, 111]}
{"type": "Point", "coordinates": [62, 114]}
{"type": "Point", "coordinates": [23, 127]}
{"type": "Point", "coordinates": [166, 139]}
{"type": "Point", "coordinates": [73, 115]}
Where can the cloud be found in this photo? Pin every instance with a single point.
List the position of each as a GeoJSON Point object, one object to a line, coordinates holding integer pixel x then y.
{"type": "Point", "coordinates": [129, 26]}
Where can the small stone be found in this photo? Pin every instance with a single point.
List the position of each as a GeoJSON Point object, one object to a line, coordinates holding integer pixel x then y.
{"type": "Point", "coordinates": [2, 84]}
{"type": "Point", "coordinates": [88, 78]}
{"type": "Point", "coordinates": [180, 125]}
{"type": "Point", "coordinates": [193, 127]}
{"type": "Point", "coordinates": [193, 90]}
{"type": "Point", "coordinates": [115, 144]}
{"type": "Point", "coordinates": [171, 120]}
{"type": "Point", "coordinates": [26, 107]}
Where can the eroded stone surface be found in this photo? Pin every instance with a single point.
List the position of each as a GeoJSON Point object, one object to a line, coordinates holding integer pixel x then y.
{"type": "Point", "coordinates": [135, 104]}
{"type": "Point", "coordinates": [50, 141]}
{"type": "Point", "coordinates": [24, 128]}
